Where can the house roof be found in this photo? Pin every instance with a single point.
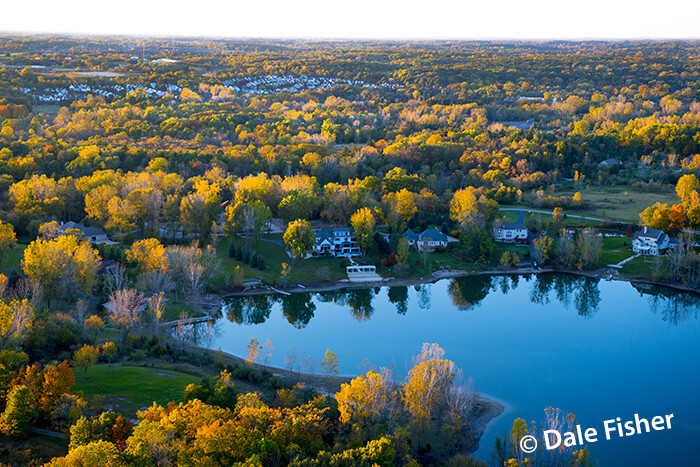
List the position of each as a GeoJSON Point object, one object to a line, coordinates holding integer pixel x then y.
{"type": "Point", "coordinates": [92, 231]}
{"type": "Point", "coordinates": [86, 231]}
{"type": "Point", "coordinates": [650, 234]}
{"type": "Point", "coordinates": [509, 225]}
{"type": "Point", "coordinates": [328, 233]}
{"type": "Point", "coordinates": [434, 235]}
{"type": "Point", "coordinates": [411, 235]}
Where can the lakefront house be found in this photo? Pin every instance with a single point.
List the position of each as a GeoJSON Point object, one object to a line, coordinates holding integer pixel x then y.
{"type": "Point", "coordinates": [428, 240]}
{"type": "Point", "coordinates": [650, 242]}
{"type": "Point", "coordinates": [509, 232]}
{"type": "Point", "coordinates": [336, 241]}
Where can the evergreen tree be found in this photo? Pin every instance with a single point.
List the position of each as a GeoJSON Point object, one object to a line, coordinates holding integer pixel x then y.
{"type": "Point", "coordinates": [246, 256]}
{"type": "Point", "coordinates": [232, 250]}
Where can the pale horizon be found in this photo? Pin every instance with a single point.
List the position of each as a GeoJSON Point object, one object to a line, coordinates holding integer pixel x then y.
{"type": "Point", "coordinates": [362, 20]}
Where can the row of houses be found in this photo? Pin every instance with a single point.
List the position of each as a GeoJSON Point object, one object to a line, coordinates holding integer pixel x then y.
{"type": "Point", "coordinates": [341, 241]}
{"type": "Point", "coordinates": [645, 242]}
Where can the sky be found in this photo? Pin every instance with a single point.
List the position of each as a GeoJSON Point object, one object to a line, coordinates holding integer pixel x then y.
{"type": "Point", "coordinates": [360, 19]}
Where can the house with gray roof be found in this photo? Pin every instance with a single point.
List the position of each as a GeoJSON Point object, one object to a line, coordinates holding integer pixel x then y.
{"type": "Point", "coordinates": [93, 235]}
{"type": "Point", "coordinates": [650, 242]}
{"type": "Point", "coordinates": [428, 240]}
{"type": "Point", "coordinates": [509, 232]}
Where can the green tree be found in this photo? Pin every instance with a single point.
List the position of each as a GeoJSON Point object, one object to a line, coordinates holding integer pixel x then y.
{"type": "Point", "coordinates": [402, 250]}
{"type": "Point", "coordinates": [19, 414]}
{"type": "Point", "coordinates": [247, 218]}
{"type": "Point", "coordinates": [299, 238]}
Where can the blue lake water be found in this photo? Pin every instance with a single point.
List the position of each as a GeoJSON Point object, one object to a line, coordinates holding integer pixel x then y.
{"type": "Point", "coordinates": [597, 349]}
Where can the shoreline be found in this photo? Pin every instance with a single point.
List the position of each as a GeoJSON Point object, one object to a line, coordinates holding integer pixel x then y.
{"type": "Point", "coordinates": [315, 287]}
{"type": "Point", "coordinates": [487, 408]}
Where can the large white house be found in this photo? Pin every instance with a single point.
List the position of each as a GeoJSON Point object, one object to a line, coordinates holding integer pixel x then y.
{"type": "Point", "coordinates": [338, 241]}
{"type": "Point", "coordinates": [650, 242]}
{"type": "Point", "coordinates": [509, 232]}
{"type": "Point", "coordinates": [428, 240]}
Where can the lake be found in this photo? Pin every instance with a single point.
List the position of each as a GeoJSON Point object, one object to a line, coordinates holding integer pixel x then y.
{"type": "Point", "coordinates": [597, 349]}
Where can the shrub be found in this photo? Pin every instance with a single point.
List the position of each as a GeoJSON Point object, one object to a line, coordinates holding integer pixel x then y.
{"type": "Point", "coordinates": [254, 260]}
{"type": "Point", "coordinates": [231, 250]}
{"type": "Point", "coordinates": [261, 262]}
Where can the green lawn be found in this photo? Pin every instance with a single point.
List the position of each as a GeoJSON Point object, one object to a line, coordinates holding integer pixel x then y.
{"type": "Point", "coordinates": [274, 255]}
{"type": "Point", "coordinates": [500, 248]}
{"type": "Point", "coordinates": [319, 270]}
{"type": "Point", "coordinates": [642, 266]}
{"type": "Point", "coordinates": [127, 389]}
{"type": "Point", "coordinates": [173, 309]}
{"type": "Point", "coordinates": [615, 249]}
{"type": "Point", "coordinates": [509, 216]}
{"type": "Point", "coordinates": [12, 258]}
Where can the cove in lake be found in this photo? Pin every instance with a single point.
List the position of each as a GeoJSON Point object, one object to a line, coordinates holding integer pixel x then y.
{"type": "Point", "coordinates": [596, 349]}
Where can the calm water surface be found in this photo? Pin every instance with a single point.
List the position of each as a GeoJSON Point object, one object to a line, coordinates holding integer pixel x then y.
{"type": "Point", "coordinates": [599, 350]}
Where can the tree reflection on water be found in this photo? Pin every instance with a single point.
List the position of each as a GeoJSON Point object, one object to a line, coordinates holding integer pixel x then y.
{"type": "Point", "coordinates": [466, 293]}
{"type": "Point", "coordinates": [674, 306]}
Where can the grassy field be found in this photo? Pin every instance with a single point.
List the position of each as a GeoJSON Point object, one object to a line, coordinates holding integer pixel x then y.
{"type": "Point", "coordinates": [618, 203]}
{"type": "Point", "coordinates": [127, 389]}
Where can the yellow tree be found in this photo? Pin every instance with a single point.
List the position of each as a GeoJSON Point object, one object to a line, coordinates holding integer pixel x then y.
{"type": "Point", "coordinates": [687, 190]}
{"type": "Point", "coordinates": [427, 386]}
{"type": "Point", "coordinates": [8, 239]}
{"type": "Point", "coordinates": [470, 211]}
{"type": "Point", "coordinates": [656, 216]}
{"type": "Point", "coordinates": [149, 254]}
{"type": "Point", "coordinates": [15, 319]}
{"type": "Point", "coordinates": [299, 238]}
{"type": "Point", "coordinates": [97, 202]}
{"type": "Point", "coordinates": [364, 399]}
{"type": "Point", "coordinates": [363, 222]}
{"type": "Point", "coordinates": [62, 265]}
{"type": "Point", "coordinates": [400, 208]}
{"type": "Point", "coordinates": [85, 357]}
